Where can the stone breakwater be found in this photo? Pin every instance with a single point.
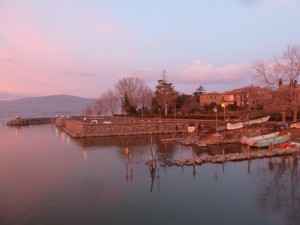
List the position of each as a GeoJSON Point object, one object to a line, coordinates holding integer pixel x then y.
{"type": "Point", "coordinates": [29, 121]}
{"type": "Point", "coordinates": [249, 155]}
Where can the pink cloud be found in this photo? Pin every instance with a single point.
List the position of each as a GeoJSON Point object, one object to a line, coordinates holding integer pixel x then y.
{"type": "Point", "coordinates": [188, 77]}
{"type": "Point", "coordinates": [207, 73]}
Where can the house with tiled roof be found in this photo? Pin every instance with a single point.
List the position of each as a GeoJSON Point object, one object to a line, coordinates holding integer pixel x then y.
{"type": "Point", "coordinates": [241, 97]}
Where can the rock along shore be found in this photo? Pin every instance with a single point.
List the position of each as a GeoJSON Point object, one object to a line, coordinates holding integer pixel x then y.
{"type": "Point", "coordinates": [198, 160]}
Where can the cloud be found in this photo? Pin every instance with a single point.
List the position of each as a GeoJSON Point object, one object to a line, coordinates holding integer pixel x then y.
{"type": "Point", "coordinates": [9, 60]}
{"type": "Point", "coordinates": [207, 73]}
{"type": "Point", "coordinates": [187, 77]}
{"type": "Point", "coordinates": [80, 74]}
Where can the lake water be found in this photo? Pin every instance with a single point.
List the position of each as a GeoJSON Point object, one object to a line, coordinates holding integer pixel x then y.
{"type": "Point", "coordinates": [46, 177]}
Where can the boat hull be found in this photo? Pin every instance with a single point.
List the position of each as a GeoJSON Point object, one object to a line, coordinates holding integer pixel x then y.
{"type": "Point", "coordinates": [256, 121]}
{"type": "Point", "coordinates": [275, 141]}
{"type": "Point", "coordinates": [252, 140]}
{"type": "Point", "coordinates": [233, 126]}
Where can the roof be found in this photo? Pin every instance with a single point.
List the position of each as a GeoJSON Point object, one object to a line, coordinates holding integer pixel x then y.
{"type": "Point", "coordinates": [212, 93]}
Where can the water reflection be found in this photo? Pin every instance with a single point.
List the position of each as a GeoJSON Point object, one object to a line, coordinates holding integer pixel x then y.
{"type": "Point", "coordinates": [279, 177]}
{"type": "Point", "coordinates": [128, 164]}
{"type": "Point", "coordinates": [140, 148]}
{"type": "Point", "coordinates": [119, 141]}
{"type": "Point", "coordinates": [17, 130]}
{"type": "Point", "coordinates": [36, 178]}
{"type": "Point", "coordinates": [155, 176]}
{"type": "Point", "coordinates": [63, 136]}
{"type": "Point", "coordinates": [249, 166]}
{"type": "Point", "coordinates": [280, 191]}
{"type": "Point", "coordinates": [85, 154]}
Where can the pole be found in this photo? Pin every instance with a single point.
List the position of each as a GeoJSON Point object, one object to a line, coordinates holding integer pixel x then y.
{"type": "Point", "coordinates": [216, 120]}
{"type": "Point", "coordinates": [215, 109]}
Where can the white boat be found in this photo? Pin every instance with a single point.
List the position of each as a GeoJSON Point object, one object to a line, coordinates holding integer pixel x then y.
{"type": "Point", "coordinates": [275, 141]}
{"type": "Point", "coordinates": [252, 140]}
{"type": "Point", "coordinates": [259, 120]}
{"type": "Point", "coordinates": [233, 126]}
{"type": "Point", "coordinates": [295, 125]}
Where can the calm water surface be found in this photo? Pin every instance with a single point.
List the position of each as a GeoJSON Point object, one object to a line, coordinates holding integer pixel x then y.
{"type": "Point", "coordinates": [46, 177]}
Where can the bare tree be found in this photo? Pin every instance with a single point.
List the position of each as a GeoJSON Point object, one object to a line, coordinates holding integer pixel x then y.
{"type": "Point", "coordinates": [99, 106]}
{"type": "Point", "coordinates": [88, 110]}
{"type": "Point", "coordinates": [146, 99]}
{"type": "Point", "coordinates": [256, 97]}
{"type": "Point", "coordinates": [280, 76]}
{"type": "Point", "coordinates": [110, 101]}
{"type": "Point", "coordinates": [135, 89]}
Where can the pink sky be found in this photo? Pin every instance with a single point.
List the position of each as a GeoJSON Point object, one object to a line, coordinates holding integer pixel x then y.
{"type": "Point", "coordinates": [83, 48]}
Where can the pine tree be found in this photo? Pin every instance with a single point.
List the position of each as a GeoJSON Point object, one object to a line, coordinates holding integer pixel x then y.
{"type": "Point", "coordinates": [199, 91]}
{"type": "Point", "coordinates": [165, 95]}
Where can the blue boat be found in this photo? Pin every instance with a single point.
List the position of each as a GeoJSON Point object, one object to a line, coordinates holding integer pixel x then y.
{"type": "Point", "coordinates": [275, 141]}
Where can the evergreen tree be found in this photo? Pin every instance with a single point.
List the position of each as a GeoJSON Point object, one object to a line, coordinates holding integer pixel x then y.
{"type": "Point", "coordinates": [164, 96]}
{"type": "Point", "coordinates": [199, 91]}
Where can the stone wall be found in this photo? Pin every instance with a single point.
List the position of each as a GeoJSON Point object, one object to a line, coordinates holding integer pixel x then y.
{"type": "Point", "coordinates": [91, 128]}
{"type": "Point", "coordinates": [60, 122]}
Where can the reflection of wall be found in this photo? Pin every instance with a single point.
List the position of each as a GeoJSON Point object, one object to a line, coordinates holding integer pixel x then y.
{"type": "Point", "coordinates": [138, 146]}
{"type": "Point", "coordinates": [84, 129]}
{"type": "Point", "coordinates": [119, 141]}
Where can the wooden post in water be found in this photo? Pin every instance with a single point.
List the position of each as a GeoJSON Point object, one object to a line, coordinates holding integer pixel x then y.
{"type": "Point", "coordinates": [152, 162]}
{"type": "Point", "coordinates": [223, 157]}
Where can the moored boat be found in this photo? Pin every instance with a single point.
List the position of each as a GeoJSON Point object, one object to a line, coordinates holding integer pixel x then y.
{"type": "Point", "coordinates": [255, 121]}
{"type": "Point", "coordinates": [252, 140]}
{"type": "Point", "coordinates": [233, 126]}
{"type": "Point", "coordinates": [295, 125]}
{"type": "Point", "coordinates": [275, 141]}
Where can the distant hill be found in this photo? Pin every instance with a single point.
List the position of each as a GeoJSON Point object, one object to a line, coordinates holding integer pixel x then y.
{"type": "Point", "coordinates": [61, 105]}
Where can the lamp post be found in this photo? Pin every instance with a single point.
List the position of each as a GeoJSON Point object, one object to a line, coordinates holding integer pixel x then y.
{"type": "Point", "coordinates": [215, 109]}
{"type": "Point", "coordinates": [223, 105]}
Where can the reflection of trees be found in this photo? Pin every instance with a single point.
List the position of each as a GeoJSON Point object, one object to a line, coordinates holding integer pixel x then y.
{"type": "Point", "coordinates": [281, 188]}
{"type": "Point", "coordinates": [166, 150]}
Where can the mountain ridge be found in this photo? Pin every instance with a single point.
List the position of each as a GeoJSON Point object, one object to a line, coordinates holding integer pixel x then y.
{"type": "Point", "coordinates": [46, 105]}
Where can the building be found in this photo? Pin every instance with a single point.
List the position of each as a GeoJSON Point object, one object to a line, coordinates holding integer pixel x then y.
{"type": "Point", "coordinates": [208, 98]}
{"type": "Point", "coordinates": [242, 97]}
